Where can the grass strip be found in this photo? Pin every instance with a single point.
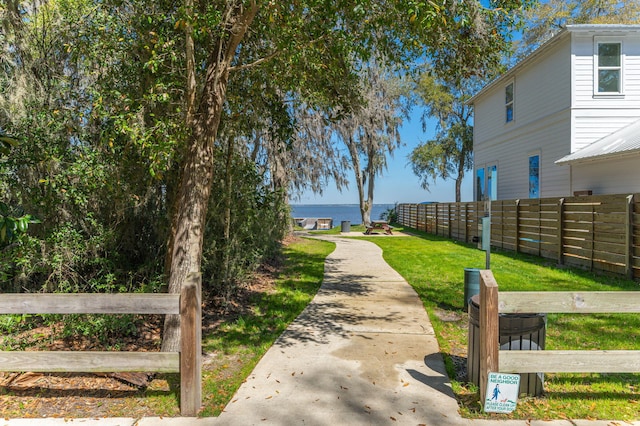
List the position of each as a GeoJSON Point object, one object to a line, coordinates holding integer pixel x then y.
{"type": "Point", "coordinates": [434, 266]}
{"type": "Point", "coordinates": [235, 348]}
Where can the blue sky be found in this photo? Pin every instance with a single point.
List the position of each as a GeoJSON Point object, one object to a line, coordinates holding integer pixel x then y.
{"type": "Point", "coordinates": [398, 184]}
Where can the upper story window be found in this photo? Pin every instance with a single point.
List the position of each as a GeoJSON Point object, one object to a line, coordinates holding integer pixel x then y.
{"type": "Point", "coordinates": [508, 102]}
{"type": "Point", "coordinates": [608, 76]}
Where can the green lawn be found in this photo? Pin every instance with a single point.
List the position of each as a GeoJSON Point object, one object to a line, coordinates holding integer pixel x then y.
{"type": "Point", "coordinates": [235, 348]}
{"type": "Point", "coordinates": [434, 266]}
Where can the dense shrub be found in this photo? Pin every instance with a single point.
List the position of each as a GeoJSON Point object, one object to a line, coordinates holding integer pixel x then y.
{"type": "Point", "coordinates": [258, 222]}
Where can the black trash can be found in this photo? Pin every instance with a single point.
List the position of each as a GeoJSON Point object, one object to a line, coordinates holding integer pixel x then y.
{"type": "Point", "coordinates": [517, 332]}
{"type": "Point", "coordinates": [471, 284]}
{"type": "Point", "coordinates": [345, 226]}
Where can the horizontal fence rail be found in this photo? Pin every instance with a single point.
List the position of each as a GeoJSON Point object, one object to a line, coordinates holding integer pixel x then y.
{"type": "Point", "coordinates": [187, 362]}
{"type": "Point", "coordinates": [494, 303]}
{"type": "Point", "coordinates": [90, 303]}
{"type": "Point", "coordinates": [592, 302]}
{"type": "Point", "coordinates": [90, 362]}
{"type": "Point", "coordinates": [599, 233]}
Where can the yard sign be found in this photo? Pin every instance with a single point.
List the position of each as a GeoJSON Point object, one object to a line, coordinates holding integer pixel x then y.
{"type": "Point", "coordinates": [502, 393]}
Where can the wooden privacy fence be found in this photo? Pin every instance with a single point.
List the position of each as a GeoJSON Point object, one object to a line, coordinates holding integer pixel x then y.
{"type": "Point", "coordinates": [187, 362]}
{"type": "Point", "coordinates": [593, 232]}
{"type": "Point", "coordinates": [493, 303]}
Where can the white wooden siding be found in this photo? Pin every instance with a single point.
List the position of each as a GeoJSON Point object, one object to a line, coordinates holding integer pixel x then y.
{"type": "Point", "coordinates": [583, 57]}
{"type": "Point", "coordinates": [557, 113]}
{"type": "Point", "coordinates": [592, 125]}
{"type": "Point", "coordinates": [619, 176]}
{"type": "Point", "coordinates": [541, 89]}
{"type": "Point", "coordinates": [511, 152]}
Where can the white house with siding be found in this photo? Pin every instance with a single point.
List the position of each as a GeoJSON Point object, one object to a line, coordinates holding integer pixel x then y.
{"type": "Point", "coordinates": [563, 121]}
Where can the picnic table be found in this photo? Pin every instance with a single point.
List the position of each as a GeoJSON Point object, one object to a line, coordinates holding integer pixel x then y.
{"type": "Point", "coordinates": [381, 225]}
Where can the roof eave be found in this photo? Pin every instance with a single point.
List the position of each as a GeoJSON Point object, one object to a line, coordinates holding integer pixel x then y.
{"type": "Point", "coordinates": [594, 158]}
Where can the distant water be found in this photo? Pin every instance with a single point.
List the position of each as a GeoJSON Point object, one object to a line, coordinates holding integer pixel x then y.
{"type": "Point", "coordinates": [338, 212]}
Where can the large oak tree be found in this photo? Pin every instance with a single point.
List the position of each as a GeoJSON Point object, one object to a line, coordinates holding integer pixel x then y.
{"type": "Point", "coordinates": [309, 46]}
{"type": "Point", "coordinates": [147, 83]}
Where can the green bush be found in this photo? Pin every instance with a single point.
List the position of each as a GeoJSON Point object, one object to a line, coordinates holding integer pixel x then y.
{"type": "Point", "coordinates": [390, 214]}
{"type": "Point", "coordinates": [258, 223]}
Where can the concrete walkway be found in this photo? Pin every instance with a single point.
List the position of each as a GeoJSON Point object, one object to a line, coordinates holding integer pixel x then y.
{"type": "Point", "coordinates": [362, 353]}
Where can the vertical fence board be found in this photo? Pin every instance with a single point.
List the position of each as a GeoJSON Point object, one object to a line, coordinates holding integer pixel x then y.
{"type": "Point", "coordinates": [191, 346]}
{"type": "Point", "coordinates": [629, 237]}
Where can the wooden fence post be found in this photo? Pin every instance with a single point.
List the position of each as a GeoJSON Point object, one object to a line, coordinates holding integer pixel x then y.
{"type": "Point", "coordinates": [191, 346]}
{"type": "Point", "coordinates": [628, 268]}
{"type": "Point", "coordinates": [489, 329]}
{"type": "Point", "coordinates": [517, 242]}
{"type": "Point", "coordinates": [560, 231]}
{"type": "Point", "coordinates": [449, 220]}
{"type": "Point", "coordinates": [466, 222]}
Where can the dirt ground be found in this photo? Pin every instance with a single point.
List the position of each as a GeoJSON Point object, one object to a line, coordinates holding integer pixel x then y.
{"type": "Point", "coordinates": [73, 395]}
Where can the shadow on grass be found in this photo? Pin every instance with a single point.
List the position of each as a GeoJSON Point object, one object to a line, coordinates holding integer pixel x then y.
{"type": "Point", "coordinates": [267, 314]}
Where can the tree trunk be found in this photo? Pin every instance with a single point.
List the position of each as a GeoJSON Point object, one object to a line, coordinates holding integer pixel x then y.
{"type": "Point", "coordinates": [359, 175]}
{"type": "Point", "coordinates": [192, 202]}
{"type": "Point", "coordinates": [195, 185]}
{"type": "Point", "coordinates": [370, 172]}
{"type": "Point", "coordinates": [460, 177]}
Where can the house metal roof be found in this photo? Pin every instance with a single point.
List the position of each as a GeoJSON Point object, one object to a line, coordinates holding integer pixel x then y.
{"type": "Point", "coordinates": [622, 142]}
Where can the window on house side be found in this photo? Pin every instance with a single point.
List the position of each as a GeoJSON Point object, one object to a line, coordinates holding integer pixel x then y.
{"type": "Point", "coordinates": [480, 184]}
{"type": "Point", "coordinates": [492, 182]}
{"type": "Point", "coordinates": [609, 68]}
{"type": "Point", "coordinates": [534, 176]}
{"type": "Point", "coordinates": [508, 91]}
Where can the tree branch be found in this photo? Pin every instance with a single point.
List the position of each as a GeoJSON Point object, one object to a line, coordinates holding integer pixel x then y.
{"type": "Point", "coordinates": [256, 62]}
{"type": "Point", "coordinates": [272, 55]}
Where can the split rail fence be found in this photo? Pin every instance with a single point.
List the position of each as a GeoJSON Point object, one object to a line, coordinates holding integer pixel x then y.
{"type": "Point", "coordinates": [493, 303]}
{"type": "Point", "coordinates": [187, 362]}
{"type": "Point", "coordinates": [600, 233]}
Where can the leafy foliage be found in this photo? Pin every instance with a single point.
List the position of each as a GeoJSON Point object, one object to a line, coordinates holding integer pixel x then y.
{"type": "Point", "coordinates": [258, 222]}
{"type": "Point", "coordinates": [551, 16]}
{"type": "Point", "coordinates": [450, 153]}
{"type": "Point", "coordinates": [370, 130]}
{"type": "Point", "coordinates": [151, 129]}
{"type": "Point", "coordinates": [390, 214]}
{"type": "Point", "coordinates": [13, 226]}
